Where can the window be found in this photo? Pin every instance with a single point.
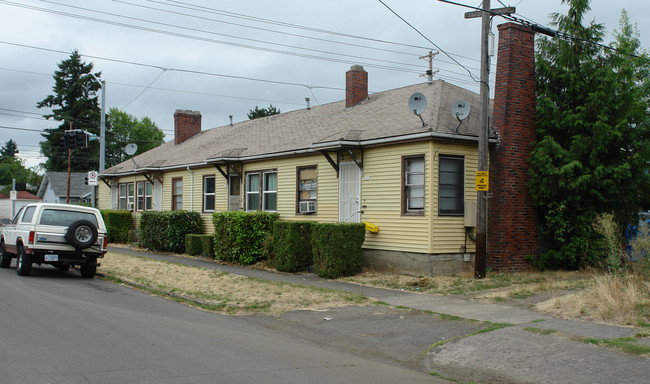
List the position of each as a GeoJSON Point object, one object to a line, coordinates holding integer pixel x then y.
{"type": "Point", "coordinates": [143, 190]}
{"type": "Point", "coordinates": [307, 189]}
{"type": "Point", "coordinates": [208, 193]}
{"type": "Point", "coordinates": [29, 214]}
{"type": "Point", "coordinates": [126, 196]}
{"type": "Point", "coordinates": [261, 195]}
{"type": "Point", "coordinates": [177, 194]}
{"type": "Point", "coordinates": [450, 194]}
{"type": "Point", "coordinates": [413, 185]}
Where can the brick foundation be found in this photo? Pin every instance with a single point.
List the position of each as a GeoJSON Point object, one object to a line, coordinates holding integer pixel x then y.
{"type": "Point", "coordinates": [512, 223]}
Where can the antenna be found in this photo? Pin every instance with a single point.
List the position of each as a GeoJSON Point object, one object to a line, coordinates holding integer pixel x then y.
{"type": "Point", "coordinates": [131, 149]}
{"type": "Point", "coordinates": [417, 104]}
{"type": "Point", "coordinates": [460, 111]}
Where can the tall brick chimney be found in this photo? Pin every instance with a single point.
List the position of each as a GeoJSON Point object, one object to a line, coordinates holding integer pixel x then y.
{"type": "Point", "coordinates": [356, 86]}
{"type": "Point", "coordinates": [512, 223]}
{"type": "Point", "coordinates": [186, 125]}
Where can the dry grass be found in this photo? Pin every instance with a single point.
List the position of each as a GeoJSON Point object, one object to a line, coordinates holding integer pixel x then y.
{"type": "Point", "coordinates": [610, 299]}
{"type": "Point", "coordinates": [218, 291]}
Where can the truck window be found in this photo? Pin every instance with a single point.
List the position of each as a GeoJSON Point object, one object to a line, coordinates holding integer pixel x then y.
{"type": "Point", "coordinates": [29, 215]}
{"type": "Point", "coordinates": [20, 212]}
{"type": "Point", "coordinates": [64, 218]}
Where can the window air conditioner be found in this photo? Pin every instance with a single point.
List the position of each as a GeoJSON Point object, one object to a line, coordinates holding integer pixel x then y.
{"type": "Point", "coordinates": [307, 207]}
{"type": "Point", "coordinates": [129, 207]}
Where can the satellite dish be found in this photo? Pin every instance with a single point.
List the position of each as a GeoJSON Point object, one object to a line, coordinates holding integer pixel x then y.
{"type": "Point", "coordinates": [417, 103]}
{"type": "Point", "coordinates": [461, 110]}
{"type": "Point", "coordinates": [130, 149]}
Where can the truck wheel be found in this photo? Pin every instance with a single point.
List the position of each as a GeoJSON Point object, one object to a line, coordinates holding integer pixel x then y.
{"type": "Point", "coordinates": [5, 258]}
{"type": "Point", "coordinates": [23, 262]}
{"type": "Point", "coordinates": [88, 271]}
{"type": "Point", "coordinates": [81, 234]}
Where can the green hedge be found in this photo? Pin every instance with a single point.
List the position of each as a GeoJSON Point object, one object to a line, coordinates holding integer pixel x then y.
{"type": "Point", "coordinates": [337, 249]}
{"type": "Point", "coordinates": [118, 223]}
{"type": "Point", "coordinates": [166, 230]}
{"type": "Point", "coordinates": [238, 236]}
{"type": "Point", "coordinates": [292, 248]}
{"type": "Point", "coordinates": [207, 246]}
{"type": "Point", "coordinates": [193, 245]}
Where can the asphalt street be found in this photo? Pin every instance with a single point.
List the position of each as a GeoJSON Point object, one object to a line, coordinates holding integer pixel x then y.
{"type": "Point", "coordinates": [60, 328]}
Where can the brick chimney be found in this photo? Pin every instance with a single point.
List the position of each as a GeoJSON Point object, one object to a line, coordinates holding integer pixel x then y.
{"type": "Point", "coordinates": [512, 222]}
{"type": "Point", "coordinates": [186, 124]}
{"type": "Point", "coordinates": [356, 86]}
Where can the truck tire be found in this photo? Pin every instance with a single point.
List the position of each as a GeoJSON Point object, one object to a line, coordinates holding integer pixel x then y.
{"type": "Point", "coordinates": [89, 271]}
{"type": "Point", "coordinates": [81, 234]}
{"type": "Point", "coordinates": [23, 262]}
{"type": "Point", "coordinates": [5, 257]}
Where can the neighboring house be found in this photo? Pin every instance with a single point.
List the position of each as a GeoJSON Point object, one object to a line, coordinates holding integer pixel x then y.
{"type": "Point", "coordinates": [368, 158]}
{"type": "Point", "coordinates": [8, 207]}
{"type": "Point", "coordinates": [54, 188]}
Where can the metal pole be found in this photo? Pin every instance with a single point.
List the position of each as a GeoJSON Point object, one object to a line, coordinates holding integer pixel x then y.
{"type": "Point", "coordinates": [481, 196]}
{"type": "Point", "coordinates": [102, 130]}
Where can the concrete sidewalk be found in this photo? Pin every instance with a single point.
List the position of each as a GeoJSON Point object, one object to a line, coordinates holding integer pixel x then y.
{"type": "Point", "coordinates": [520, 353]}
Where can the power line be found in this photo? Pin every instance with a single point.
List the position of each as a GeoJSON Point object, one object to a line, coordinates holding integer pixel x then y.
{"type": "Point", "coordinates": [429, 40]}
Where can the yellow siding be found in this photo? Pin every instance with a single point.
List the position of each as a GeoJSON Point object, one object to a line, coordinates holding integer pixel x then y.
{"type": "Point", "coordinates": [327, 188]}
{"type": "Point", "coordinates": [381, 199]}
{"type": "Point", "coordinates": [380, 195]}
{"type": "Point", "coordinates": [103, 196]}
{"type": "Point", "coordinates": [449, 231]}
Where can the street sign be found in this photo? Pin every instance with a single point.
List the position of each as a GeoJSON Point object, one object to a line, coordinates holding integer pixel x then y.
{"type": "Point", "coordinates": [92, 178]}
{"type": "Point", "coordinates": [482, 181]}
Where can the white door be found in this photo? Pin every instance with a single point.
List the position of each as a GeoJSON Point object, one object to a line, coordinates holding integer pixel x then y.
{"type": "Point", "coordinates": [349, 193]}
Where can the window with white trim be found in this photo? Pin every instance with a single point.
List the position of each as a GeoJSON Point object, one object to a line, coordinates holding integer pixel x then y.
{"type": "Point", "coordinates": [261, 191]}
{"type": "Point", "coordinates": [413, 185]}
{"type": "Point", "coordinates": [143, 194]}
{"type": "Point", "coordinates": [208, 193]}
{"type": "Point", "coordinates": [126, 196]}
{"type": "Point", "coordinates": [177, 194]}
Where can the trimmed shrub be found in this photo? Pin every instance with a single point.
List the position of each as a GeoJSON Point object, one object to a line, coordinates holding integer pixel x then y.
{"type": "Point", "coordinates": [207, 246]}
{"type": "Point", "coordinates": [118, 224]}
{"type": "Point", "coordinates": [292, 245]}
{"type": "Point", "coordinates": [193, 245]}
{"type": "Point", "coordinates": [238, 235]}
{"type": "Point", "coordinates": [165, 231]}
{"type": "Point", "coordinates": [337, 249]}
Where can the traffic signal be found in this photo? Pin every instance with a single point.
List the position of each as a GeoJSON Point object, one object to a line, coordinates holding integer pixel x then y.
{"type": "Point", "coordinates": [80, 139]}
{"type": "Point", "coordinates": [63, 142]}
{"type": "Point", "coordinates": [72, 143]}
{"type": "Point", "coordinates": [86, 180]}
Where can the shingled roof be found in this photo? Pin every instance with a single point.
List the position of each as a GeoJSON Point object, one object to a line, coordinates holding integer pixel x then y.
{"type": "Point", "coordinates": [383, 117]}
{"type": "Point", "coordinates": [59, 183]}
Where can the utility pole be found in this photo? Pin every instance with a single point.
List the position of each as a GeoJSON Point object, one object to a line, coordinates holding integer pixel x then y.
{"type": "Point", "coordinates": [430, 71]}
{"type": "Point", "coordinates": [67, 194]}
{"type": "Point", "coordinates": [480, 261]}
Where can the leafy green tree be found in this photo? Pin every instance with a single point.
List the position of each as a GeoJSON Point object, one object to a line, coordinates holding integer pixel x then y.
{"type": "Point", "coordinates": [9, 150]}
{"type": "Point", "coordinates": [74, 104]}
{"type": "Point", "coordinates": [593, 144]}
{"type": "Point", "coordinates": [122, 129]}
{"type": "Point", "coordinates": [262, 112]}
{"type": "Point", "coordinates": [12, 168]}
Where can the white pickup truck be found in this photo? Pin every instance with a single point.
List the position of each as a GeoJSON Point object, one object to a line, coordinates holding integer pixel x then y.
{"type": "Point", "coordinates": [58, 234]}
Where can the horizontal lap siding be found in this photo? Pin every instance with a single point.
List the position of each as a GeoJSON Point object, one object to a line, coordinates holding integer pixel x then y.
{"type": "Point", "coordinates": [327, 187]}
{"type": "Point", "coordinates": [103, 196]}
{"type": "Point", "coordinates": [381, 195]}
{"type": "Point", "coordinates": [449, 231]}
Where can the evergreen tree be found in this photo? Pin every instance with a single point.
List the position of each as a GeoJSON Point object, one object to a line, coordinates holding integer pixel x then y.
{"type": "Point", "coordinates": [593, 135]}
{"type": "Point", "coordinates": [74, 104]}
{"type": "Point", "coordinates": [122, 129]}
{"type": "Point", "coordinates": [8, 150]}
{"type": "Point", "coordinates": [262, 112]}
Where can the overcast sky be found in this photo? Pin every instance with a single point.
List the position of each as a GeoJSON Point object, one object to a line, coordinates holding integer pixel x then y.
{"type": "Point", "coordinates": [226, 57]}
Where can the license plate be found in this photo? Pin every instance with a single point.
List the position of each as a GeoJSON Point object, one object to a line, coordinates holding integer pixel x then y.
{"type": "Point", "coordinates": [51, 257]}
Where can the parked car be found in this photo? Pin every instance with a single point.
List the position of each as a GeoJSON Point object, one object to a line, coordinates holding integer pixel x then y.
{"type": "Point", "coordinates": [61, 235]}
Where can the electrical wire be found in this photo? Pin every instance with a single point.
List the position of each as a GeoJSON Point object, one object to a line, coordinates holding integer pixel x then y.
{"type": "Point", "coordinates": [429, 40]}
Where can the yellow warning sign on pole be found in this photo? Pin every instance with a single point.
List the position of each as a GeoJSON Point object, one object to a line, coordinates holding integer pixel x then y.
{"type": "Point", "coordinates": [482, 181]}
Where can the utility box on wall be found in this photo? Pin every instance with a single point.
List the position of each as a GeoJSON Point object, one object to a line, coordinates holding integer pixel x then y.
{"type": "Point", "coordinates": [470, 214]}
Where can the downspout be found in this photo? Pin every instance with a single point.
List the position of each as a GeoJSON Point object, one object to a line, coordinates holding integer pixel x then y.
{"type": "Point", "coordinates": [191, 188]}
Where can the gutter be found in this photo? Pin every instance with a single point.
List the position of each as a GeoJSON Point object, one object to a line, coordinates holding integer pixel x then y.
{"type": "Point", "coordinates": [310, 150]}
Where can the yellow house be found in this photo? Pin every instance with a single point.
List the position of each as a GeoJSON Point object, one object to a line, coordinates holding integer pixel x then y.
{"type": "Point", "coordinates": [369, 159]}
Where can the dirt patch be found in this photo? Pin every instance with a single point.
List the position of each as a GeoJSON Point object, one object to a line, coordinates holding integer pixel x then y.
{"type": "Point", "coordinates": [219, 291]}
